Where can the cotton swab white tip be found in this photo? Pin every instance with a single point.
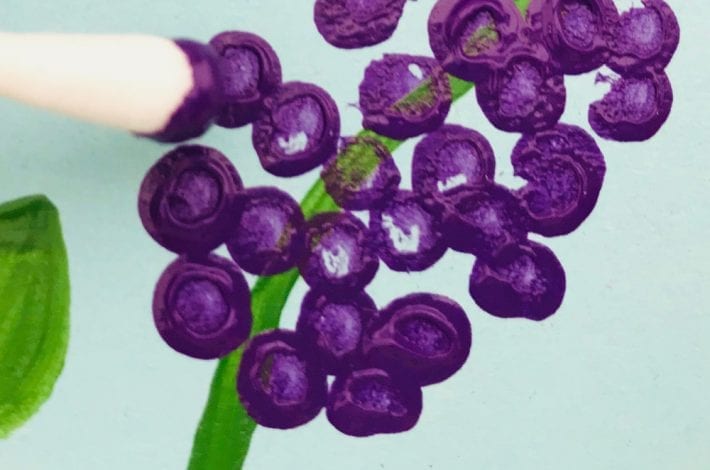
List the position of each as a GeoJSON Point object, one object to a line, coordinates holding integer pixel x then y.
{"type": "Point", "coordinates": [155, 87]}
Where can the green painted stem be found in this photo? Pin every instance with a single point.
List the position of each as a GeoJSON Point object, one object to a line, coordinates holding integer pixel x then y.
{"type": "Point", "coordinates": [224, 434]}
{"type": "Point", "coordinates": [223, 437]}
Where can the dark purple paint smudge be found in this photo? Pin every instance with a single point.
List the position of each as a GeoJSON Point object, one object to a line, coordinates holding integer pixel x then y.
{"type": "Point", "coordinates": [202, 103]}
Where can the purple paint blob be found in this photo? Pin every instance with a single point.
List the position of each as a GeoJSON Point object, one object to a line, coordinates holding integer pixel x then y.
{"type": "Point", "coordinates": [522, 281]}
{"type": "Point", "coordinates": [373, 401]}
{"type": "Point", "coordinates": [241, 71]}
{"type": "Point", "coordinates": [470, 38]}
{"type": "Point", "coordinates": [201, 307]}
{"type": "Point", "coordinates": [424, 336]}
{"type": "Point", "coordinates": [451, 157]}
{"type": "Point", "coordinates": [525, 94]}
{"type": "Point", "coordinates": [407, 233]}
{"type": "Point", "coordinates": [280, 383]}
{"type": "Point", "coordinates": [251, 71]}
{"type": "Point", "coordinates": [185, 199]}
{"type": "Point", "coordinates": [297, 130]}
{"type": "Point", "coordinates": [645, 37]}
{"type": "Point", "coordinates": [635, 108]}
{"type": "Point", "coordinates": [362, 175]}
{"type": "Point", "coordinates": [564, 169]}
{"type": "Point", "coordinates": [339, 257]}
{"type": "Point", "coordinates": [402, 96]}
{"type": "Point", "coordinates": [576, 32]}
{"type": "Point", "coordinates": [334, 327]}
{"type": "Point", "coordinates": [483, 219]}
{"type": "Point", "coordinates": [267, 238]}
{"type": "Point", "coordinates": [195, 196]}
{"type": "Point", "coordinates": [352, 24]}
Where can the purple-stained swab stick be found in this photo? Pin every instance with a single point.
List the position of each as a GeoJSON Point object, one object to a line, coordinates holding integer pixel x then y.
{"type": "Point", "coordinates": [168, 90]}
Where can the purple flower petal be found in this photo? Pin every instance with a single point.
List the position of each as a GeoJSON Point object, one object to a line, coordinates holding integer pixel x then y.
{"type": "Point", "coordinates": [185, 199]}
{"type": "Point", "coordinates": [565, 170]}
{"type": "Point", "coordinates": [576, 32]}
{"type": "Point", "coordinates": [525, 94]}
{"type": "Point", "coordinates": [636, 107]}
{"type": "Point", "coordinates": [472, 37]}
{"type": "Point", "coordinates": [334, 327]}
{"type": "Point", "coordinates": [483, 219]}
{"type": "Point", "coordinates": [268, 235]}
{"type": "Point", "coordinates": [645, 37]}
{"type": "Point", "coordinates": [339, 258]}
{"type": "Point", "coordinates": [450, 157]}
{"type": "Point", "coordinates": [424, 336]}
{"type": "Point", "coordinates": [373, 401]}
{"type": "Point", "coordinates": [280, 383]}
{"type": "Point", "coordinates": [402, 96]}
{"type": "Point", "coordinates": [352, 24]}
{"type": "Point", "coordinates": [407, 233]}
{"type": "Point", "coordinates": [523, 280]}
{"type": "Point", "coordinates": [201, 308]}
{"type": "Point", "coordinates": [297, 130]}
{"type": "Point", "coordinates": [251, 71]}
{"type": "Point", "coordinates": [204, 100]}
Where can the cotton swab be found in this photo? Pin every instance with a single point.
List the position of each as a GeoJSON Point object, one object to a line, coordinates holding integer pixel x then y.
{"type": "Point", "coordinates": [168, 90]}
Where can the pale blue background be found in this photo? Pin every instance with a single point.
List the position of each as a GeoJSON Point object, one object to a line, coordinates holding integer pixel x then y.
{"type": "Point", "coordinates": [619, 379]}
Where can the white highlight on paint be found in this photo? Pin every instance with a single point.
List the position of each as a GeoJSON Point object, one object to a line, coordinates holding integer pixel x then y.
{"type": "Point", "coordinates": [415, 70]}
{"type": "Point", "coordinates": [528, 271]}
{"type": "Point", "coordinates": [403, 242]}
{"type": "Point", "coordinates": [625, 5]}
{"type": "Point", "coordinates": [294, 144]}
{"type": "Point", "coordinates": [336, 261]}
{"type": "Point", "coordinates": [133, 82]}
{"type": "Point", "coordinates": [488, 220]}
{"type": "Point", "coordinates": [451, 182]}
{"type": "Point", "coordinates": [309, 116]}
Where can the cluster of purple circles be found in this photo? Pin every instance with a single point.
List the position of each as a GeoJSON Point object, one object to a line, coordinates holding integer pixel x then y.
{"type": "Point", "coordinates": [193, 199]}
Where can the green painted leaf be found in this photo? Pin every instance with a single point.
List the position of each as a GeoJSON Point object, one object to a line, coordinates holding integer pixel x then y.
{"type": "Point", "coordinates": [224, 434]}
{"type": "Point", "coordinates": [34, 307]}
